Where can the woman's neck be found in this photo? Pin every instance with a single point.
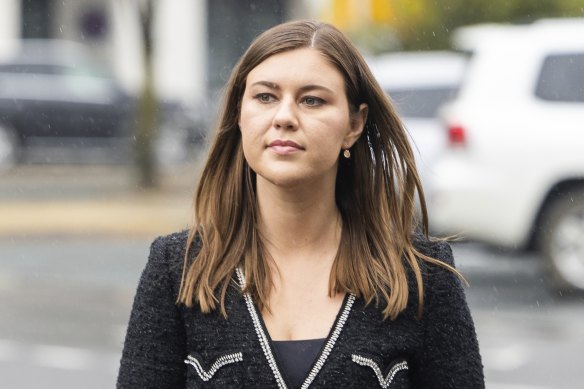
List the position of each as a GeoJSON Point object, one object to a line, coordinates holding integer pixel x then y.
{"type": "Point", "coordinates": [298, 221]}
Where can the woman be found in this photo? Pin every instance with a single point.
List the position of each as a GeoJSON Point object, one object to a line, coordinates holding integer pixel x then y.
{"type": "Point", "coordinates": [306, 266]}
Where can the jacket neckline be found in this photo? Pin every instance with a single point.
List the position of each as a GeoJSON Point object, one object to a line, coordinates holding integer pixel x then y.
{"type": "Point", "coordinates": [267, 343]}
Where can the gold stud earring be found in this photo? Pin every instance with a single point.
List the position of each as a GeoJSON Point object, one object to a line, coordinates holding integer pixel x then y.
{"type": "Point", "coordinates": [347, 153]}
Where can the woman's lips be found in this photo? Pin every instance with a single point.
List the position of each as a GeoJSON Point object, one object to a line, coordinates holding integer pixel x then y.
{"type": "Point", "coordinates": [285, 147]}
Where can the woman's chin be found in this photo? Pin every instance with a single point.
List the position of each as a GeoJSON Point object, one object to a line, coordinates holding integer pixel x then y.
{"type": "Point", "coordinates": [285, 181]}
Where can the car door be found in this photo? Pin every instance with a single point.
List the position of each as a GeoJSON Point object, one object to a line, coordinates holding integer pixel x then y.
{"type": "Point", "coordinates": [25, 97]}
{"type": "Point", "coordinates": [93, 106]}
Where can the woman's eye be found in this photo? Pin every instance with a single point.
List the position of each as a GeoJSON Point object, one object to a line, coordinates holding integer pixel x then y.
{"type": "Point", "coordinates": [312, 101]}
{"type": "Point", "coordinates": [264, 97]}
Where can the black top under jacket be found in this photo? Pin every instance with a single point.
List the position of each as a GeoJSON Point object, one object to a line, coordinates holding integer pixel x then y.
{"type": "Point", "coordinates": [296, 357]}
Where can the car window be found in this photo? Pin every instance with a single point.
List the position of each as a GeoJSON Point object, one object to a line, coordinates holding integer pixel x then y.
{"type": "Point", "coordinates": [19, 68]}
{"type": "Point", "coordinates": [70, 89]}
{"type": "Point", "coordinates": [421, 102]}
{"type": "Point", "coordinates": [90, 89]}
{"type": "Point", "coordinates": [562, 78]}
{"type": "Point", "coordinates": [82, 69]}
{"type": "Point", "coordinates": [56, 82]}
{"type": "Point", "coordinates": [85, 70]}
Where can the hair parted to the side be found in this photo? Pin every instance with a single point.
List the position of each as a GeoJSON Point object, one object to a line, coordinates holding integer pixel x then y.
{"type": "Point", "coordinates": [375, 191]}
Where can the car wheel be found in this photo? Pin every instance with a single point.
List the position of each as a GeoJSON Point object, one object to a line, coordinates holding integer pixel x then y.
{"type": "Point", "coordinates": [562, 242]}
{"type": "Point", "coordinates": [9, 147]}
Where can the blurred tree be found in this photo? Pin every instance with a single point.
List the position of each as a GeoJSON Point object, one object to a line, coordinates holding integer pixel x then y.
{"type": "Point", "coordinates": [386, 25]}
{"type": "Point", "coordinates": [368, 23]}
{"type": "Point", "coordinates": [426, 24]}
{"type": "Point", "coordinates": [146, 123]}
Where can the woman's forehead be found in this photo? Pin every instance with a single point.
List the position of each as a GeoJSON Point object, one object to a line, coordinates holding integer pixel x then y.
{"type": "Point", "coordinates": [305, 65]}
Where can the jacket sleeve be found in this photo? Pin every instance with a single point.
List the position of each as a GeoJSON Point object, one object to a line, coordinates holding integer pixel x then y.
{"type": "Point", "coordinates": [155, 345]}
{"type": "Point", "coordinates": [450, 355]}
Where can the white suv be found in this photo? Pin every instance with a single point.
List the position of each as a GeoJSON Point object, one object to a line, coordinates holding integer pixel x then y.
{"type": "Point", "coordinates": [513, 174]}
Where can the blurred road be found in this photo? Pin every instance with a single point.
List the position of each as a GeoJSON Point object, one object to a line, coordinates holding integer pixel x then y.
{"type": "Point", "coordinates": [66, 296]}
{"type": "Point", "coordinates": [529, 336]}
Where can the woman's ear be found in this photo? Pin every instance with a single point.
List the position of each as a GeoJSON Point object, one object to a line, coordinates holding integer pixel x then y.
{"type": "Point", "coordinates": [358, 121]}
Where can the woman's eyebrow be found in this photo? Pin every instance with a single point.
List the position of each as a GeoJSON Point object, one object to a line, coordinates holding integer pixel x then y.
{"type": "Point", "coordinates": [304, 88]}
{"type": "Point", "coordinates": [271, 85]}
{"type": "Point", "coordinates": [310, 87]}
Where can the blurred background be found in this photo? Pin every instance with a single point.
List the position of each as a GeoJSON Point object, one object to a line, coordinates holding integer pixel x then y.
{"type": "Point", "coordinates": [106, 107]}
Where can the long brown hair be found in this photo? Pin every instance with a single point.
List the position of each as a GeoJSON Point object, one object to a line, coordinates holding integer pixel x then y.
{"type": "Point", "coordinates": [375, 192]}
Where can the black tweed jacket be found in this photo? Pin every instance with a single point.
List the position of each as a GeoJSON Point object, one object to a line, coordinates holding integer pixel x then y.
{"type": "Point", "coordinates": [171, 346]}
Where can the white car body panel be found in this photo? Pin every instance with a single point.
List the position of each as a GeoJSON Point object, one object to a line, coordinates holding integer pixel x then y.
{"type": "Point", "coordinates": [518, 145]}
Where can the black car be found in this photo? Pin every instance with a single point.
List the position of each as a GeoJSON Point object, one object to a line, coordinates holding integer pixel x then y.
{"type": "Point", "coordinates": [52, 95]}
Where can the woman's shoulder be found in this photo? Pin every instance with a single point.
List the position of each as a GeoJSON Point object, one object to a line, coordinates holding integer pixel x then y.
{"type": "Point", "coordinates": [166, 260]}
{"type": "Point", "coordinates": [436, 248]}
{"type": "Point", "coordinates": [176, 240]}
{"type": "Point", "coordinates": [171, 248]}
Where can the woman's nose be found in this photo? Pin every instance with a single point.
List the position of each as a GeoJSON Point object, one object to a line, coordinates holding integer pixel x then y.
{"type": "Point", "coordinates": [286, 115]}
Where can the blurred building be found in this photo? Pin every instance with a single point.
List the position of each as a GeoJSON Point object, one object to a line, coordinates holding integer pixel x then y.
{"type": "Point", "coordinates": [196, 41]}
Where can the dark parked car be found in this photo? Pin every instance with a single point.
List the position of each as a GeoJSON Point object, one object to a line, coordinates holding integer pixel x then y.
{"type": "Point", "coordinates": [52, 95]}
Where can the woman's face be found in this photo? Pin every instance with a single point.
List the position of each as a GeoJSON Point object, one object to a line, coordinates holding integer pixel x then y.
{"type": "Point", "coordinates": [295, 118]}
